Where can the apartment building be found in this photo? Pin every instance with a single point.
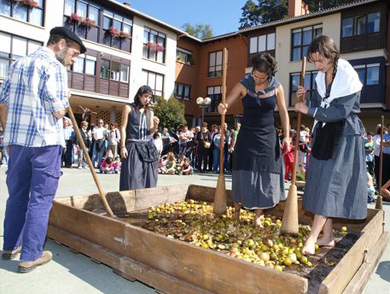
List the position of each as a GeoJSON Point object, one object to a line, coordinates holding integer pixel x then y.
{"type": "Point", "coordinates": [360, 29]}
{"type": "Point", "coordinates": [125, 49]}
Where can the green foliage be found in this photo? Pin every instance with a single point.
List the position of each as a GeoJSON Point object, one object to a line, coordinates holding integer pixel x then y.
{"type": "Point", "coordinates": [272, 10]}
{"type": "Point", "coordinates": [199, 31]}
{"type": "Point", "coordinates": [170, 112]}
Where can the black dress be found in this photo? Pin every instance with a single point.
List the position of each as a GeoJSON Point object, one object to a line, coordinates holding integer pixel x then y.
{"type": "Point", "coordinates": [257, 180]}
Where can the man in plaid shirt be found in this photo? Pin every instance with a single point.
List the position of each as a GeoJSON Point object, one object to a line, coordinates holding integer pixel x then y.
{"type": "Point", "coordinates": [33, 101]}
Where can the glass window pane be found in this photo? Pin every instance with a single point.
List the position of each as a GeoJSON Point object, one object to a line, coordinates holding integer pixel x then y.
{"type": "Point", "coordinates": [152, 80]}
{"type": "Point", "coordinates": [127, 29]}
{"type": "Point", "coordinates": [262, 43]}
{"type": "Point", "coordinates": [295, 82]}
{"type": "Point", "coordinates": [90, 66]}
{"type": "Point", "coordinates": [212, 59]}
{"type": "Point", "coordinates": [106, 22]}
{"type": "Point", "coordinates": [5, 7]}
{"type": "Point", "coordinates": [361, 25]}
{"type": "Point", "coordinates": [373, 22]}
{"type": "Point", "coordinates": [187, 92]}
{"type": "Point", "coordinates": [373, 75]}
{"type": "Point", "coordinates": [124, 73]}
{"type": "Point", "coordinates": [219, 57]}
{"type": "Point", "coordinates": [69, 7]}
{"type": "Point", "coordinates": [253, 45]}
{"type": "Point", "coordinates": [304, 50]}
{"type": "Point", "coordinates": [33, 46]}
{"type": "Point", "coordinates": [4, 67]}
{"type": "Point", "coordinates": [160, 56]}
{"type": "Point", "coordinates": [296, 54]}
{"type": "Point", "coordinates": [105, 69]}
{"type": "Point", "coordinates": [317, 32]}
{"type": "Point", "coordinates": [36, 16]}
{"type": "Point", "coordinates": [20, 12]}
{"type": "Point", "coordinates": [307, 34]}
{"type": "Point", "coordinates": [5, 44]}
{"type": "Point", "coordinates": [271, 42]}
{"type": "Point", "coordinates": [115, 70]}
{"type": "Point", "coordinates": [362, 75]}
{"type": "Point", "coordinates": [297, 38]}
{"type": "Point", "coordinates": [81, 9]}
{"type": "Point", "coordinates": [19, 47]}
{"type": "Point", "coordinates": [79, 64]}
{"type": "Point", "coordinates": [93, 14]}
{"type": "Point", "coordinates": [346, 30]}
{"type": "Point", "coordinates": [159, 83]}
{"type": "Point", "coordinates": [179, 90]}
{"type": "Point", "coordinates": [117, 25]}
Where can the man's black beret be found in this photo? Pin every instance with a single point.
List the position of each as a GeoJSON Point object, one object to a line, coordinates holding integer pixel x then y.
{"type": "Point", "coordinates": [68, 34]}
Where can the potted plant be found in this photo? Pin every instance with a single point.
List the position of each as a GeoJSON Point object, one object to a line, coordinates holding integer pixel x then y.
{"type": "Point", "coordinates": [29, 3]}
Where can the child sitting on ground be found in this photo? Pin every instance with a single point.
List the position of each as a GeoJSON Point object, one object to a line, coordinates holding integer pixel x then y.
{"type": "Point", "coordinates": [171, 164]}
{"type": "Point", "coordinates": [117, 165]}
{"type": "Point", "coordinates": [186, 168]}
{"type": "Point", "coordinates": [107, 167]}
{"type": "Point", "coordinates": [161, 165]}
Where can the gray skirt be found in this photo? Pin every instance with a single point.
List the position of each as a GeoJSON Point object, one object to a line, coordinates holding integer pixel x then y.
{"type": "Point", "coordinates": [257, 189]}
{"type": "Point", "coordinates": [136, 173]}
{"type": "Point", "coordinates": [337, 187]}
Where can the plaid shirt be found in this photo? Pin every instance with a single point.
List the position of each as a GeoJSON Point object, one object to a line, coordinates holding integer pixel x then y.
{"type": "Point", "coordinates": [34, 90]}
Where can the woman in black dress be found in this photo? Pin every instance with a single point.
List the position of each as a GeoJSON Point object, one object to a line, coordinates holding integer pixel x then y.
{"type": "Point", "coordinates": [139, 154]}
{"type": "Point", "coordinates": [257, 177]}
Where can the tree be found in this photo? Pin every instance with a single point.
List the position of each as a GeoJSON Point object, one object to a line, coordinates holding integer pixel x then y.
{"type": "Point", "coordinates": [170, 112]}
{"type": "Point", "coordinates": [272, 10]}
{"type": "Point", "coordinates": [199, 31]}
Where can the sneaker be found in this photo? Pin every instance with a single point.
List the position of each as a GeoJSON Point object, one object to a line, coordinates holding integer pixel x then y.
{"type": "Point", "coordinates": [28, 266]}
{"type": "Point", "coordinates": [11, 254]}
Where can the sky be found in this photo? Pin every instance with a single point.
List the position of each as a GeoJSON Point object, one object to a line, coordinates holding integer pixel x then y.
{"type": "Point", "coordinates": [222, 15]}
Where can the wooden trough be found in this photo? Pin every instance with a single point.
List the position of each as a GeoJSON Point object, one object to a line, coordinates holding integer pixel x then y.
{"type": "Point", "coordinates": [172, 266]}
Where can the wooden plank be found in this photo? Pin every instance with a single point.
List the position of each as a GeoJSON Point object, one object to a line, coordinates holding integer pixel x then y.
{"type": "Point", "coordinates": [359, 281]}
{"type": "Point", "coordinates": [145, 198]}
{"type": "Point", "coordinates": [213, 271]}
{"type": "Point", "coordinates": [126, 267]}
{"type": "Point", "coordinates": [101, 230]}
{"type": "Point", "coordinates": [343, 272]}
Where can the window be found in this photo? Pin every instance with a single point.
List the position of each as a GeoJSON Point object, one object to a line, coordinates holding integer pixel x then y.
{"type": "Point", "coordinates": [262, 43]}
{"type": "Point", "coordinates": [85, 64]}
{"type": "Point", "coordinates": [301, 39]}
{"type": "Point", "coordinates": [155, 81]}
{"type": "Point", "coordinates": [215, 94]}
{"type": "Point", "coordinates": [295, 81]}
{"type": "Point", "coordinates": [23, 12]}
{"type": "Point", "coordinates": [182, 91]}
{"type": "Point", "coordinates": [13, 48]}
{"type": "Point", "coordinates": [114, 71]}
{"type": "Point", "coordinates": [347, 27]}
{"type": "Point", "coordinates": [368, 73]}
{"type": "Point", "coordinates": [184, 56]}
{"type": "Point", "coordinates": [215, 64]}
{"type": "Point", "coordinates": [154, 45]}
{"type": "Point", "coordinates": [117, 31]}
{"type": "Point", "coordinates": [360, 25]}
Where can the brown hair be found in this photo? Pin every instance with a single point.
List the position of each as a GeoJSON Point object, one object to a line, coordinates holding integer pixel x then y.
{"type": "Point", "coordinates": [265, 63]}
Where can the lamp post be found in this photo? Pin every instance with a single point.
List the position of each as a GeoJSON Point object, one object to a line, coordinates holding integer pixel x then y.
{"type": "Point", "coordinates": [203, 103]}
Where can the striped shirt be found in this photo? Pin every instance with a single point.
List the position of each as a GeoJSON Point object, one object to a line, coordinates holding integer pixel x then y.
{"type": "Point", "coordinates": [34, 90]}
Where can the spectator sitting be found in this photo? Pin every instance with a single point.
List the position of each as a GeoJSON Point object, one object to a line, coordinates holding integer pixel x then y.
{"type": "Point", "coordinates": [161, 165]}
{"type": "Point", "coordinates": [186, 168]}
{"type": "Point", "coordinates": [117, 164]}
{"type": "Point", "coordinates": [171, 164]}
{"type": "Point", "coordinates": [107, 166]}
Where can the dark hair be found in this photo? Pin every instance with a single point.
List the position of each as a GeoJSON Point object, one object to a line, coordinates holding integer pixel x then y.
{"type": "Point", "coordinates": [142, 90]}
{"type": "Point", "coordinates": [109, 160]}
{"type": "Point", "coordinates": [54, 39]}
{"type": "Point", "coordinates": [114, 125]}
{"type": "Point", "coordinates": [265, 63]}
{"type": "Point", "coordinates": [325, 46]}
{"type": "Point", "coordinates": [379, 131]}
{"type": "Point", "coordinates": [156, 135]}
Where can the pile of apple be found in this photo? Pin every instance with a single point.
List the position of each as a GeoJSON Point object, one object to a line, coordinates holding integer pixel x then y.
{"type": "Point", "coordinates": [194, 222]}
